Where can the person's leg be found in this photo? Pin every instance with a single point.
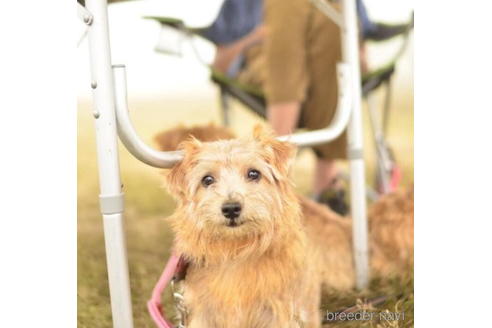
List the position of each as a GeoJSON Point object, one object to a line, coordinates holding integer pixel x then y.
{"type": "Point", "coordinates": [283, 117]}
{"type": "Point", "coordinates": [325, 176]}
{"type": "Point", "coordinates": [295, 74]}
{"type": "Point", "coordinates": [319, 109]}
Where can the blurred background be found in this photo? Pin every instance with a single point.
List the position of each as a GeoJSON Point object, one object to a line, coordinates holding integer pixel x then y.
{"type": "Point", "coordinates": [165, 91]}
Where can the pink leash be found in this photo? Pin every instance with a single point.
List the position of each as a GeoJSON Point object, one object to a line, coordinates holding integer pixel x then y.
{"type": "Point", "coordinates": [154, 304]}
{"type": "Point", "coordinates": [395, 178]}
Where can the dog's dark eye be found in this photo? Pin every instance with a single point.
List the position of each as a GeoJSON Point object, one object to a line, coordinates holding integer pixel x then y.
{"type": "Point", "coordinates": [254, 174]}
{"type": "Point", "coordinates": [207, 180]}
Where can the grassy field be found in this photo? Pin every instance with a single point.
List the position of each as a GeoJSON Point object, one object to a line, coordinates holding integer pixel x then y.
{"type": "Point", "coordinates": [147, 203]}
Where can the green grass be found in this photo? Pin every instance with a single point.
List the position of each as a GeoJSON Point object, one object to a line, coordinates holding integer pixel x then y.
{"type": "Point", "coordinates": [147, 204]}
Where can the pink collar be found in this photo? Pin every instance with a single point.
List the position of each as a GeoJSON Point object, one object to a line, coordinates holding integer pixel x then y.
{"type": "Point", "coordinates": [176, 266]}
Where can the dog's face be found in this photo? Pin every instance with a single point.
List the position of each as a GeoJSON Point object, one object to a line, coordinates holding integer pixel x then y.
{"type": "Point", "coordinates": [233, 187]}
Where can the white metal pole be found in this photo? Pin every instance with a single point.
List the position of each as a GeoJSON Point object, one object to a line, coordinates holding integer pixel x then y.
{"type": "Point", "coordinates": [111, 197]}
{"type": "Point", "coordinates": [128, 134]}
{"type": "Point", "coordinates": [350, 48]}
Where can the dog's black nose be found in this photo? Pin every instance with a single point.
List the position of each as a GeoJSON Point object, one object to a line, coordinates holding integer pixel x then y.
{"type": "Point", "coordinates": [231, 210]}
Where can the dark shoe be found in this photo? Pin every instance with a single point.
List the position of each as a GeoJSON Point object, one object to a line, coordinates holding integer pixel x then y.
{"type": "Point", "coordinates": [335, 199]}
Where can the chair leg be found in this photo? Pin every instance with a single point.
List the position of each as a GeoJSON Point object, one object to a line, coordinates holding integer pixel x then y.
{"type": "Point", "coordinates": [383, 158]}
{"type": "Point", "coordinates": [225, 106]}
{"type": "Point", "coordinates": [387, 105]}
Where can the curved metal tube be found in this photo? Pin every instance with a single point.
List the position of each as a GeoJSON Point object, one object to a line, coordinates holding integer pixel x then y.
{"type": "Point", "coordinates": [150, 156]}
{"type": "Point", "coordinates": [339, 122]}
{"type": "Point", "coordinates": [127, 132]}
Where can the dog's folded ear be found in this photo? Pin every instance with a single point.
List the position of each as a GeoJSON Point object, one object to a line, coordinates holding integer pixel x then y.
{"type": "Point", "coordinates": [280, 154]}
{"type": "Point", "coordinates": [175, 178]}
{"type": "Point", "coordinates": [190, 146]}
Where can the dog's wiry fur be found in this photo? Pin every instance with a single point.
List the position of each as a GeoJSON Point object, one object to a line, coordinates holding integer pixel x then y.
{"type": "Point", "coordinates": [390, 239]}
{"type": "Point", "coordinates": [240, 272]}
{"type": "Point", "coordinates": [269, 270]}
{"type": "Point", "coordinates": [391, 233]}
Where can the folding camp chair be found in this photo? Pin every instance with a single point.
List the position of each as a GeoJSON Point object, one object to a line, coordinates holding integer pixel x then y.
{"type": "Point", "coordinates": [387, 173]}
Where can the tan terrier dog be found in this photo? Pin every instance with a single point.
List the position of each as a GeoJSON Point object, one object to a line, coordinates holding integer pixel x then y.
{"type": "Point", "coordinates": [238, 223]}
{"type": "Point", "coordinates": [258, 253]}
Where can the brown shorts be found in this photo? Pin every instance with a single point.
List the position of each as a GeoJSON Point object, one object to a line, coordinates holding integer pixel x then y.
{"type": "Point", "coordinates": [297, 62]}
